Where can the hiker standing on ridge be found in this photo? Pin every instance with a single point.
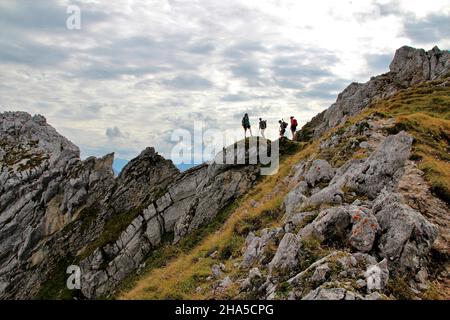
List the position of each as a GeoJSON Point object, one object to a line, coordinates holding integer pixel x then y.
{"type": "Point", "coordinates": [294, 125]}
{"type": "Point", "coordinates": [283, 126]}
{"type": "Point", "coordinates": [262, 126]}
{"type": "Point", "coordinates": [246, 125]}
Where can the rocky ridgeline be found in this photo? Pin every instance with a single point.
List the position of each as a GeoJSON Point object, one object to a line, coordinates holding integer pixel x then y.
{"type": "Point", "coordinates": [356, 214]}
{"type": "Point", "coordinates": [56, 209]}
{"type": "Point", "coordinates": [352, 223]}
{"type": "Point", "coordinates": [410, 66]}
{"type": "Point", "coordinates": [347, 229]}
{"type": "Point", "coordinates": [193, 199]}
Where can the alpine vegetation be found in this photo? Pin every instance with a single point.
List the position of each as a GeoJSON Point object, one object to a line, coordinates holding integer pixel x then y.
{"type": "Point", "coordinates": [353, 206]}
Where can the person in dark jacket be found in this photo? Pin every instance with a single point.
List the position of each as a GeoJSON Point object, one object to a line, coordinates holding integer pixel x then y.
{"type": "Point", "coordinates": [246, 125]}
{"type": "Point", "coordinates": [262, 126]}
{"type": "Point", "coordinates": [283, 126]}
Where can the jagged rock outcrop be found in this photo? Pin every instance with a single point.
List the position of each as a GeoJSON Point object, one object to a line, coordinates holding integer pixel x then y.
{"type": "Point", "coordinates": [194, 199]}
{"type": "Point", "coordinates": [406, 235]}
{"type": "Point", "coordinates": [56, 209]}
{"type": "Point", "coordinates": [53, 204]}
{"type": "Point", "coordinates": [351, 223]}
{"type": "Point", "coordinates": [355, 215]}
{"type": "Point", "coordinates": [409, 66]}
{"type": "Point", "coordinates": [380, 170]}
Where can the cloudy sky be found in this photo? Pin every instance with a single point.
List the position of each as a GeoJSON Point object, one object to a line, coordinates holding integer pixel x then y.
{"type": "Point", "coordinates": [137, 70]}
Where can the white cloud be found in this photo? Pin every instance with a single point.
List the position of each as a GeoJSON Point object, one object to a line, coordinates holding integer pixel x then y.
{"type": "Point", "coordinates": [147, 67]}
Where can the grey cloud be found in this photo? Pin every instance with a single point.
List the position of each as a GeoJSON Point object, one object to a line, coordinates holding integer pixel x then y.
{"type": "Point", "coordinates": [113, 133]}
{"type": "Point", "coordinates": [188, 82]}
{"type": "Point", "coordinates": [333, 85]}
{"type": "Point", "coordinates": [290, 83]}
{"type": "Point", "coordinates": [432, 28]}
{"type": "Point", "coordinates": [389, 8]}
{"type": "Point", "coordinates": [237, 97]}
{"type": "Point", "coordinates": [246, 69]}
{"type": "Point", "coordinates": [45, 16]}
{"type": "Point", "coordinates": [201, 48]}
{"type": "Point", "coordinates": [326, 90]}
{"type": "Point", "coordinates": [316, 94]}
{"type": "Point", "coordinates": [139, 56]}
{"type": "Point", "coordinates": [31, 53]}
{"type": "Point", "coordinates": [251, 71]}
{"type": "Point", "coordinates": [37, 14]}
{"type": "Point", "coordinates": [289, 55]}
{"type": "Point", "coordinates": [242, 96]}
{"type": "Point", "coordinates": [292, 71]}
{"type": "Point", "coordinates": [113, 71]}
{"type": "Point", "coordinates": [243, 50]}
{"type": "Point", "coordinates": [22, 21]}
{"type": "Point", "coordinates": [300, 71]}
{"type": "Point", "coordinates": [379, 62]}
{"type": "Point", "coordinates": [254, 112]}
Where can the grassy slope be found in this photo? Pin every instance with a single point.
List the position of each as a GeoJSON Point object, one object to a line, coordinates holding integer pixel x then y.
{"type": "Point", "coordinates": [424, 111]}
{"type": "Point", "coordinates": [179, 277]}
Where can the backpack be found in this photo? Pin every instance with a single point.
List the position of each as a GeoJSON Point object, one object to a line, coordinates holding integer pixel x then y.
{"type": "Point", "coordinates": [284, 125]}
{"type": "Point", "coordinates": [294, 123]}
{"type": "Point", "coordinates": [263, 124]}
{"type": "Point", "coordinates": [245, 122]}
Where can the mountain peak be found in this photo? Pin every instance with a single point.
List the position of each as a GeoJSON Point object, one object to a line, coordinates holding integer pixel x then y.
{"type": "Point", "coordinates": [410, 66]}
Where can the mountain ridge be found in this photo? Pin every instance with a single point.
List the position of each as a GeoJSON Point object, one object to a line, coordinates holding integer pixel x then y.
{"type": "Point", "coordinates": [58, 210]}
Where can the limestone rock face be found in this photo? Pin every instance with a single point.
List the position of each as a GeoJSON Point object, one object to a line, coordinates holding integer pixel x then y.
{"type": "Point", "coordinates": [255, 246]}
{"type": "Point", "coordinates": [412, 66]}
{"type": "Point", "coordinates": [193, 199]}
{"type": "Point", "coordinates": [286, 255]}
{"type": "Point", "coordinates": [352, 214]}
{"type": "Point", "coordinates": [353, 220]}
{"type": "Point", "coordinates": [43, 184]}
{"type": "Point", "coordinates": [320, 171]}
{"type": "Point", "coordinates": [57, 209]}
{"type": "Point", "coordinates": [406, 235]}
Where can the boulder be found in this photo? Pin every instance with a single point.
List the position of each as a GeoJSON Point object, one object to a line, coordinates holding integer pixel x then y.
{"type": "Point", "coordinates": [406, 236]}
{"type": "Point", "coordinates": [331, 225]}
{"type": "Point", "coordinates": [320, 171]}
{"type": "Point", "coordinates": [256, 246]}
{"type": "Point", "coordinates": [364, 229]}
{"type": "Point", "coordinates": [285, 258]}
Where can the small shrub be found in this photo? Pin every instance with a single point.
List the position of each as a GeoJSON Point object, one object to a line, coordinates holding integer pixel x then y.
{"type": "Point", "coordinates": [397, 128]}
{"type": "Point", "coordinates": [362, 126]}
{"type": "Point", "coordinates": [232, 248]}
{"type": "Point", "coordinates": [284, 289]}
{"type": "Point", "coordinates": [415, 157]}
{"type": "Point", "coordinates": [399, 288]}
{"type": "Point", "coordinates": [310, 251]}
{"type": "Point", "coordinates": [440, 191]}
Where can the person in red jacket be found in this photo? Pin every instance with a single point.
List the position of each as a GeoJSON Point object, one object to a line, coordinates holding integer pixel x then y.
{"type": "Point", "coordinates": [294, 125]}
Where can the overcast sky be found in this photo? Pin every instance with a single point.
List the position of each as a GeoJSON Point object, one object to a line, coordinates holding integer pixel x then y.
{"type": "Point", "coordinates": [136, 70]}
